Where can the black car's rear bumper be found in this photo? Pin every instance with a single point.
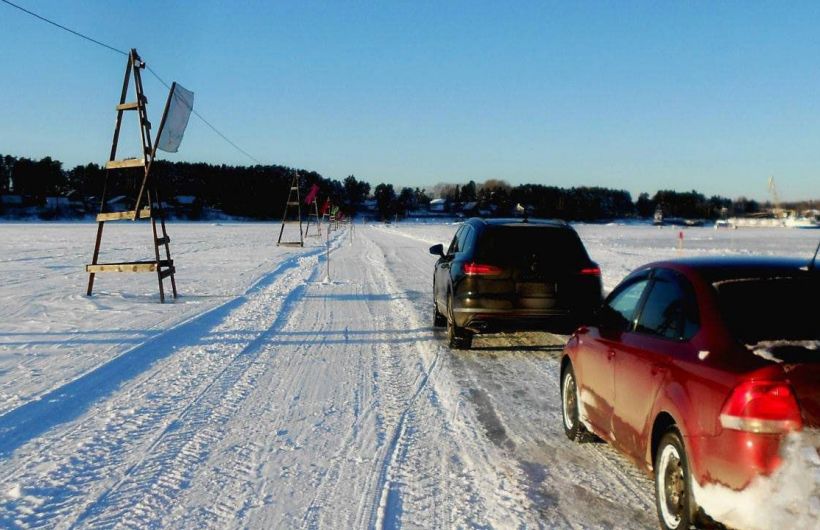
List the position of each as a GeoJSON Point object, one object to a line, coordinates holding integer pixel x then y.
{"type": "Point", "coordinates": [488, 320]}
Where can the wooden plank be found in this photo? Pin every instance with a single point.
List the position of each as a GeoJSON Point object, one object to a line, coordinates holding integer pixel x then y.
{"type": "Point", "coordinates": [293, 203]}
{"type": "Point", "coordinates": [129, 266]}
{"type": "Point", "coordinates": [167, 272]}
{"type": "Point", "coordinates": [128, 106]}
{"type": "Point", "coordinates": [123, 164]}
{"type": "Point", "coordinates": [145, 213]}
{"type": "Point", "coordinates": [122, 267]}
{"type": "Point", "coordinates": [163, 240]}
{"type": "Point", "coordinates": [290, 244]}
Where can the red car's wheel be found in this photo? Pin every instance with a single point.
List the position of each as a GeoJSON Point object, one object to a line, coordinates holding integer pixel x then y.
{"type": "Point", "coordinates": [673, 483]}
{"type": "Point", "coordinates": [573, 427]}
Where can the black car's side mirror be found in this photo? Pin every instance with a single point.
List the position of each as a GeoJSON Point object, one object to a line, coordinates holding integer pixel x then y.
{"type": "Point", "coordinates": [437, 250]}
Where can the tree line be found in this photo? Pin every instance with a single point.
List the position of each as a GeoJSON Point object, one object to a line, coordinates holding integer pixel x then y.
{"type": "Point", "coordinates": [261, 191]}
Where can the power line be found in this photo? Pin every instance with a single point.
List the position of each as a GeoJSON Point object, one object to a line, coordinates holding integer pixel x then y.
{"type": "Point", "coordinates": [112, 48]}
{"type": "Point", "coordinates": [86, 37]}
{"type": "Point", "coordinates": [206, 122]}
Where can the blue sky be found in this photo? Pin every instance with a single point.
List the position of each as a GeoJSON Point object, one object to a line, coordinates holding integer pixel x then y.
{"type": "Point", "coordinates": [713, 96]}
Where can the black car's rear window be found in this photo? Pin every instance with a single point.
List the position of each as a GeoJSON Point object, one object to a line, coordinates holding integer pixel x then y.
{"type": "Point", "coordinates": [514, 245]}
{"type": "Point", "coordinates": [770, 309]}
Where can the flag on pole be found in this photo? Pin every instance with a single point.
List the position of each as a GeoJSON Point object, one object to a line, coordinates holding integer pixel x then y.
{"type": "Point", "coordinates": [325, 206]}
{"type": "Point", "coordinates": [311, 196]}
{"type": "Point", "coordinates": [178, 110]}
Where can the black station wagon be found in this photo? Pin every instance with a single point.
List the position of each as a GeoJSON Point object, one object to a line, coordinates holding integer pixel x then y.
{"type": "Point", "coordinates": [513, 274]}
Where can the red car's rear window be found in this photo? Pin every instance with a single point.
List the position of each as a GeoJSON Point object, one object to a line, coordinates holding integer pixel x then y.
{"type": "Point", "coordinates": [770, 309]}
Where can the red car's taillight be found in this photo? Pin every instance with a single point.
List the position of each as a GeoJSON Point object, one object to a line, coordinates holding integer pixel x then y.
{"type": "Point", "coordinates": [762, 407]}
{"type": "Point", "coordinates": [590, 271]}
{"type": "Point", "coordinates": [479, 269]}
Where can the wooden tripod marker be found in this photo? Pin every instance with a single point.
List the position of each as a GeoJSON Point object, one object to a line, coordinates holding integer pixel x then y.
{"type": "Point", "coordinates": [294, 188]}
{"type": "Point", "coordinates": [314, 217]}
{"type": "Point", "coordinates": [153, 210]}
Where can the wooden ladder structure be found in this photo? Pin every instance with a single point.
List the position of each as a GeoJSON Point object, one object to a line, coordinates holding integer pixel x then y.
{"type": "Point", "coordinates": [147, 204]}
{"type": "Point", "coordinates": [294, 188]}
{"type": "Point", "coordinates": [315, 218]}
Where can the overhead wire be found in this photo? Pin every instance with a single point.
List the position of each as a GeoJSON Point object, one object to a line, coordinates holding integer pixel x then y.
{"type": "Point", "coordinates": [77, 33]}
{"type": "Point", "coordinates": [112, 48]}
{"type": "Point", "coordinates": [206, 122]}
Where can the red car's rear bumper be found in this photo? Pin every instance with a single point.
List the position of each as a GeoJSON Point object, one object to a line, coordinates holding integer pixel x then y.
{"type": "Point", "coordinates": [733, 458]}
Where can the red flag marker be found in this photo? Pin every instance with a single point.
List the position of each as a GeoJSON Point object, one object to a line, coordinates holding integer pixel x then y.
{"type": "Point", "coordinates": [311, 196]}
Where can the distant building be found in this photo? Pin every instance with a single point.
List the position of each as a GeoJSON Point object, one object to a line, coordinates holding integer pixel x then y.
{"type": "Point", "coordinates": [57, 203]}
{"type": "Point", "coordinates": [370, 205]}
{"type": "Point", "coordinates": [120, 203]}
{"type": "Point", "coordinates": [187, 206]}
{"type": "Point", "coordinates": [470, 209]}
{"type": "Point", "coordinates": [438, 205]}
{"type": "Point", "coordinates": [11, 201]}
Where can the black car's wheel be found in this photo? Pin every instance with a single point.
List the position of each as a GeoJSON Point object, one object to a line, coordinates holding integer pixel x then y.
{"type": "Point", "coordinates": [573, 427]}
{"type": "Point", "coordinates": [457, 337]}
{"type": "Point", "coordinates": [439, 320]}
{"type": "Point", "coordinates": [673, 483]}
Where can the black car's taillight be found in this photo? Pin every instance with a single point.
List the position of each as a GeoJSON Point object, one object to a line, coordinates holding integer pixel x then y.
{"type": "Point", "coordinates": [590, 271]}
{"type": "Point", "coordinates": [481, 269]}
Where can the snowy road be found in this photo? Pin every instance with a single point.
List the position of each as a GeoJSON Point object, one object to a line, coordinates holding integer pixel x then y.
{"type": "Point", "coordinates": [268, 398]}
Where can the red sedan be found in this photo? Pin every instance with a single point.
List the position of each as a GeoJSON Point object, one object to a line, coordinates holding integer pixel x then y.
{"type": "Point", "coordinates": [697, 370]}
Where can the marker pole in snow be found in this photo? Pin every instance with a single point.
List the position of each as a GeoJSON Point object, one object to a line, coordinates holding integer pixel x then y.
{"type": "Point", "coordinates": [327, 256]}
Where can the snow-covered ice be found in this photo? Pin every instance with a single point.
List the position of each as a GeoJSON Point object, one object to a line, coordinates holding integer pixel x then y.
{"type": "Point", "coordinates": [267, 397]}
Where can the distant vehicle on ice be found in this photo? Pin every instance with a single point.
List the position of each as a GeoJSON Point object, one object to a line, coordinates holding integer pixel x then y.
{"type": "Point", "coordinates": [512, 274]}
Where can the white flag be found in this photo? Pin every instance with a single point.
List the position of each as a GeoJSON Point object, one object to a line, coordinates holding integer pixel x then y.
{"type": "Point", "coordinates": [180, 105]}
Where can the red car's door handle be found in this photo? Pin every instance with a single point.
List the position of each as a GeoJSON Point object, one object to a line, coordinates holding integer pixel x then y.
{"type": "Point", "coordinates": [610, 354]}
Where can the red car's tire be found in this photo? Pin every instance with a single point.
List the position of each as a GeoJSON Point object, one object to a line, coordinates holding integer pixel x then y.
{"type": "Point", "coordinates": [673, 483]}
{"type": "Point", "coordinates": [570, 416]}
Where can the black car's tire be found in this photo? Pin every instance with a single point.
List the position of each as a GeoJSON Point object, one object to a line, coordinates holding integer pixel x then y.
{"type": "Point", "coordinates": [570, 417]}
{"type": "Point", "coordinates": [458, 338]}
{"type": "Point", "coordinates": [439, 320]}
{"type": "Point", "coordinates": [673, 484]}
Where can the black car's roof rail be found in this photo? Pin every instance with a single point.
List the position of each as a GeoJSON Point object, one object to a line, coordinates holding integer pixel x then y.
{"type": "Point", "coordinates": [520, 220]}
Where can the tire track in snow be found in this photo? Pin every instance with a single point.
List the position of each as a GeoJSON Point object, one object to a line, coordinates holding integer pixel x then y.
{"type": "Point", "coordinates": [424, 447]}
{"type": "Point", "coordinates": [147, 494]}
{"type": "Point", "coordinates": [562, 479]}
{"type": "Point", "coordinates": [64, 403]}
{"type": "Point", "coordinates": [397, 380]}
{"type": "Point", "coordinates": [384, 511]}
{"type": "Point", "coordinates": [74, 462]}
{"type": "Point", "coordinates": [383, 514]}
{"type": "Point", "coordinates": [148, 489]}
{"type": "Point", "coordinates": [543, 487]}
